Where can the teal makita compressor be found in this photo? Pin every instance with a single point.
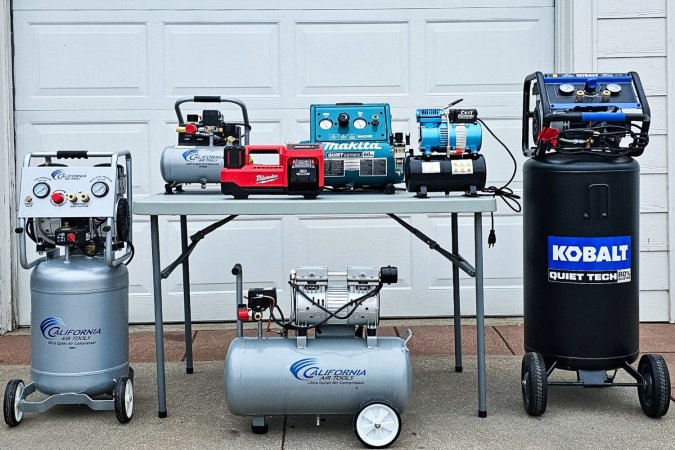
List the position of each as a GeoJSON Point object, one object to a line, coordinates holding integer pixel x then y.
{"type": "Point", "coordinates": [360, 149]}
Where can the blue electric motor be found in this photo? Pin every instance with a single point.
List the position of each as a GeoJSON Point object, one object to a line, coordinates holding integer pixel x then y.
{"type": "Point", "coordinates": [450, 140]}
{"type": "Point", "coordinates": [457, 131]}
{"type": "Point", "coordinates": [360, 149]}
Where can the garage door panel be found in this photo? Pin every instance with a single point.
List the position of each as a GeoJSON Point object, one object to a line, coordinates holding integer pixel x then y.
{"type": "Point", "coordinates": [338, 242]}
{"type": "Point", "coordinates": [489, 63]}
{"type": "Point", "coordinates": [254, 243]}
{"type": "Point", "coordinates": [99, 136]}
{"type": "Point", "coordinates": [241, 58]}
{"type": "Point", "coordinates": [352, 58]}
{"type": "Point", "coordinates": [502, 262]}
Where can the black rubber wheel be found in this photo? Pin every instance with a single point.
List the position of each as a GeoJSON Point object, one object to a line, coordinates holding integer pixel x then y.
{"type": "Point", "coordinates": [310, 196]}
{"type": "Point", "coordinates": [124, 399]}
{"type": "Point", "coordinates": [534, 384]}
{"type": "Point", "coordinates": [10, 408]}
{"type": "Point", "coordinates": [240, 196]}
{"type": "Point", "coordinates": [654, 394]}
{"type": "Point", "coordinates": [377, 424]}
{"type": "Point", "coordinates": [389, 189]}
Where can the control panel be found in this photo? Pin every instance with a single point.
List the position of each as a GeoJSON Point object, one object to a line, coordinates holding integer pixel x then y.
{"type": "Point", "coordinates": [350, 122]}
{"type": "Point", "coordinates": [54, 191]}
{"type": "Point", "coordinates": [565, 91]}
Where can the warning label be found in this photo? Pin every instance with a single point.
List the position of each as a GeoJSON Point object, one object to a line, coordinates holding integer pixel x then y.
{"type": "Point", "coordinates": [334, 168]}
{"type": "Point", "coordinates": [374, 167]}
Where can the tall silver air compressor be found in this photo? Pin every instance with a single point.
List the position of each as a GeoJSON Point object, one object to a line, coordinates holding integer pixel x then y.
{"type": "Point", "coordinates": [581, 252]}
{"type": "Point", "coordinates": [344, 368]}
{"type": "Point", "coordinates": [205, 144]}
{"type": "Point", "coordinates": [79, 218]}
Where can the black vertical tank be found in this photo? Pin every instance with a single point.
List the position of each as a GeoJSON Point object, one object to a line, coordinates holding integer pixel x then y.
{"type": "Point", "coordinates": [581, 257]}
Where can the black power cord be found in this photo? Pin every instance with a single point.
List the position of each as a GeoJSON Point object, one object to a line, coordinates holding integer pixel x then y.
{"type": "Point", "coordinates": [504, 192]}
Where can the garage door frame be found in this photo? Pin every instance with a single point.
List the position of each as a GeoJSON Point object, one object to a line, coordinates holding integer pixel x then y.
{"type": "Point", "coordinates": [572, 53]}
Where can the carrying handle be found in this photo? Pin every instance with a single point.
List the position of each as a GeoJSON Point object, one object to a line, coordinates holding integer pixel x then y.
{"type": "Point", "coordinates": [215, 99]}
{"type": "Point", "coordinates": [75, 154]}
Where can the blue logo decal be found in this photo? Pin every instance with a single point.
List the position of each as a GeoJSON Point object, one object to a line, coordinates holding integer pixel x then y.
{"type": "Point", "coordinates": [58, 174]}
{"type": "Point", "coordinates": [203, 156]}
{"type": "Point", "coordinates": [310, 368]}
{"type": "Point", "coordinates": [51, 326]}
{"type": "Point", "coordinates": [589, 253]}
{"type": "Point", "coordinates": [306, 363]}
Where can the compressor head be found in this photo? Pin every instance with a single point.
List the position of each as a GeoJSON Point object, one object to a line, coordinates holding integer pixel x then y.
{"type": "Point", "coordinates": [605, 113]}
{"type": "Point", "coordinates": [450, 130]}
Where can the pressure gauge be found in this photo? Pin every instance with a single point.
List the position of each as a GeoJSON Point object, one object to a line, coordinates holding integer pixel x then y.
{"type": "Point", "coordinates": [360, 124]}
{"type": "Point", "coordinates": [567, 88]}
{"type": "Point", "coordinates": [613, 88]}
{"type": "Point", "coordinates": [41, 190]}
{"type": "Point", "coordinates": [99, 189]}
{"type": "Point", "coordinates": [326, 124]}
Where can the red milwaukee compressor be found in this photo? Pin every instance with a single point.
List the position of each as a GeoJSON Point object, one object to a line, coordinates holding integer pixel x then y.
{"type": "Point", "coordinates": [293, 169]}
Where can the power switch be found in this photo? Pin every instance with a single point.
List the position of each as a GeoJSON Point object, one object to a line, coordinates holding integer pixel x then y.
{"type": "Point", "coordinates": [58, 198]}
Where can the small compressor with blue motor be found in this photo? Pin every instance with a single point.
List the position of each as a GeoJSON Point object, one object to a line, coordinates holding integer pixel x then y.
{"type": "Point", "coordinates": [449, 142]}
{"type": "Point", "coordinates": [360, 149]}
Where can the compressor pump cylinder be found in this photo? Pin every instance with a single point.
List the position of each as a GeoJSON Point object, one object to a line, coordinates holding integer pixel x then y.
{"type": "Point", "coordinates": [581, 254]}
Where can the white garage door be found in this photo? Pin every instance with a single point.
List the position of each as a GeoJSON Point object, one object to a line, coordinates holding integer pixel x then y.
{"type": "Point", "coordinates": [106, 78]}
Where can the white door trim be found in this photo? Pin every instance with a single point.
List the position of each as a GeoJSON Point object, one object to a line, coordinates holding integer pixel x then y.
{"type": "Point", "coordinates": [7, 155]}
{"type": "Point", "coordinates": [670, 90]}
{"type": "Point", "coordinates": [575, 29]}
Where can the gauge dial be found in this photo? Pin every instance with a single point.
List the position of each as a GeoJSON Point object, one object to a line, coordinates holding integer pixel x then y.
{"type": "Point", "coordinates": [360, 124]}
{"type": "Point", "coordinates": [326, 124]}
{"type": "Point", "coordinates": [100, 189]}
{"type": "Point", "coordinates": [613, 88]}
{"type": "Point", "coordinates": [567, 88]}
{"type": "Point", "coordinates": [41, 190]}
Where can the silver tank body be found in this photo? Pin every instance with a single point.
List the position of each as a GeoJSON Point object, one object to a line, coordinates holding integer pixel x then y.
{"type": "Point", "coordinates": [196, 164]}
{"type": "Point", "coordinates": [332, 375]}
{"type": "Point", "coordinates": [79, 325]}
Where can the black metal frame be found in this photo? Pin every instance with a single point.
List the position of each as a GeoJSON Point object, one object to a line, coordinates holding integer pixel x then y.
{"type": "Point", "coordinates": [549, 115]}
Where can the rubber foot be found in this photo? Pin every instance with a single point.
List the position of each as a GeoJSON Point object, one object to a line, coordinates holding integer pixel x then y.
{"type": "Point", "coordinates": [189, 370]}
{"type": "Point", "coordinates": [162, 414]}
{"type": "Point", "coordinates": [482, 414]}
{"type": "Point", "coordinates": [458, 368]}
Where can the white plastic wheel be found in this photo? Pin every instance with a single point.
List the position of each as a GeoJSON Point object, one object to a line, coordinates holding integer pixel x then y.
{"type": "Point", "coordinates": [18, 414]}
{"type": "Point", "coordinates": [10, 407]}
{"type": "Point", "coordinates": [129, 398]}
{"type": "Point", "coordinates": [124, 399]}
{"type": "Point", "coordinates": [377, 425]}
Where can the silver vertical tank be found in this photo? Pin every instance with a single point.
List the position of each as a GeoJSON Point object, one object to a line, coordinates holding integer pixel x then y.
{"type": "Point", "coordinates": [79, 325]}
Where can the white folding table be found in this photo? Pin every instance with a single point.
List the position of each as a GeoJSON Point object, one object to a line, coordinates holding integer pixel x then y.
{"type": "Point", "coordinates": [213, 203]}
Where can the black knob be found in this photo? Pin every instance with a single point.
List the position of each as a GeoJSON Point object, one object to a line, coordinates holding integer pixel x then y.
{"type": "Point", "coordinates": [343, 119]}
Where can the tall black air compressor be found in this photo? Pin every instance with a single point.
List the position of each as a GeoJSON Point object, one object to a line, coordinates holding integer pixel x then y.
{"type": "Point", "coordinates": [581, 211]}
